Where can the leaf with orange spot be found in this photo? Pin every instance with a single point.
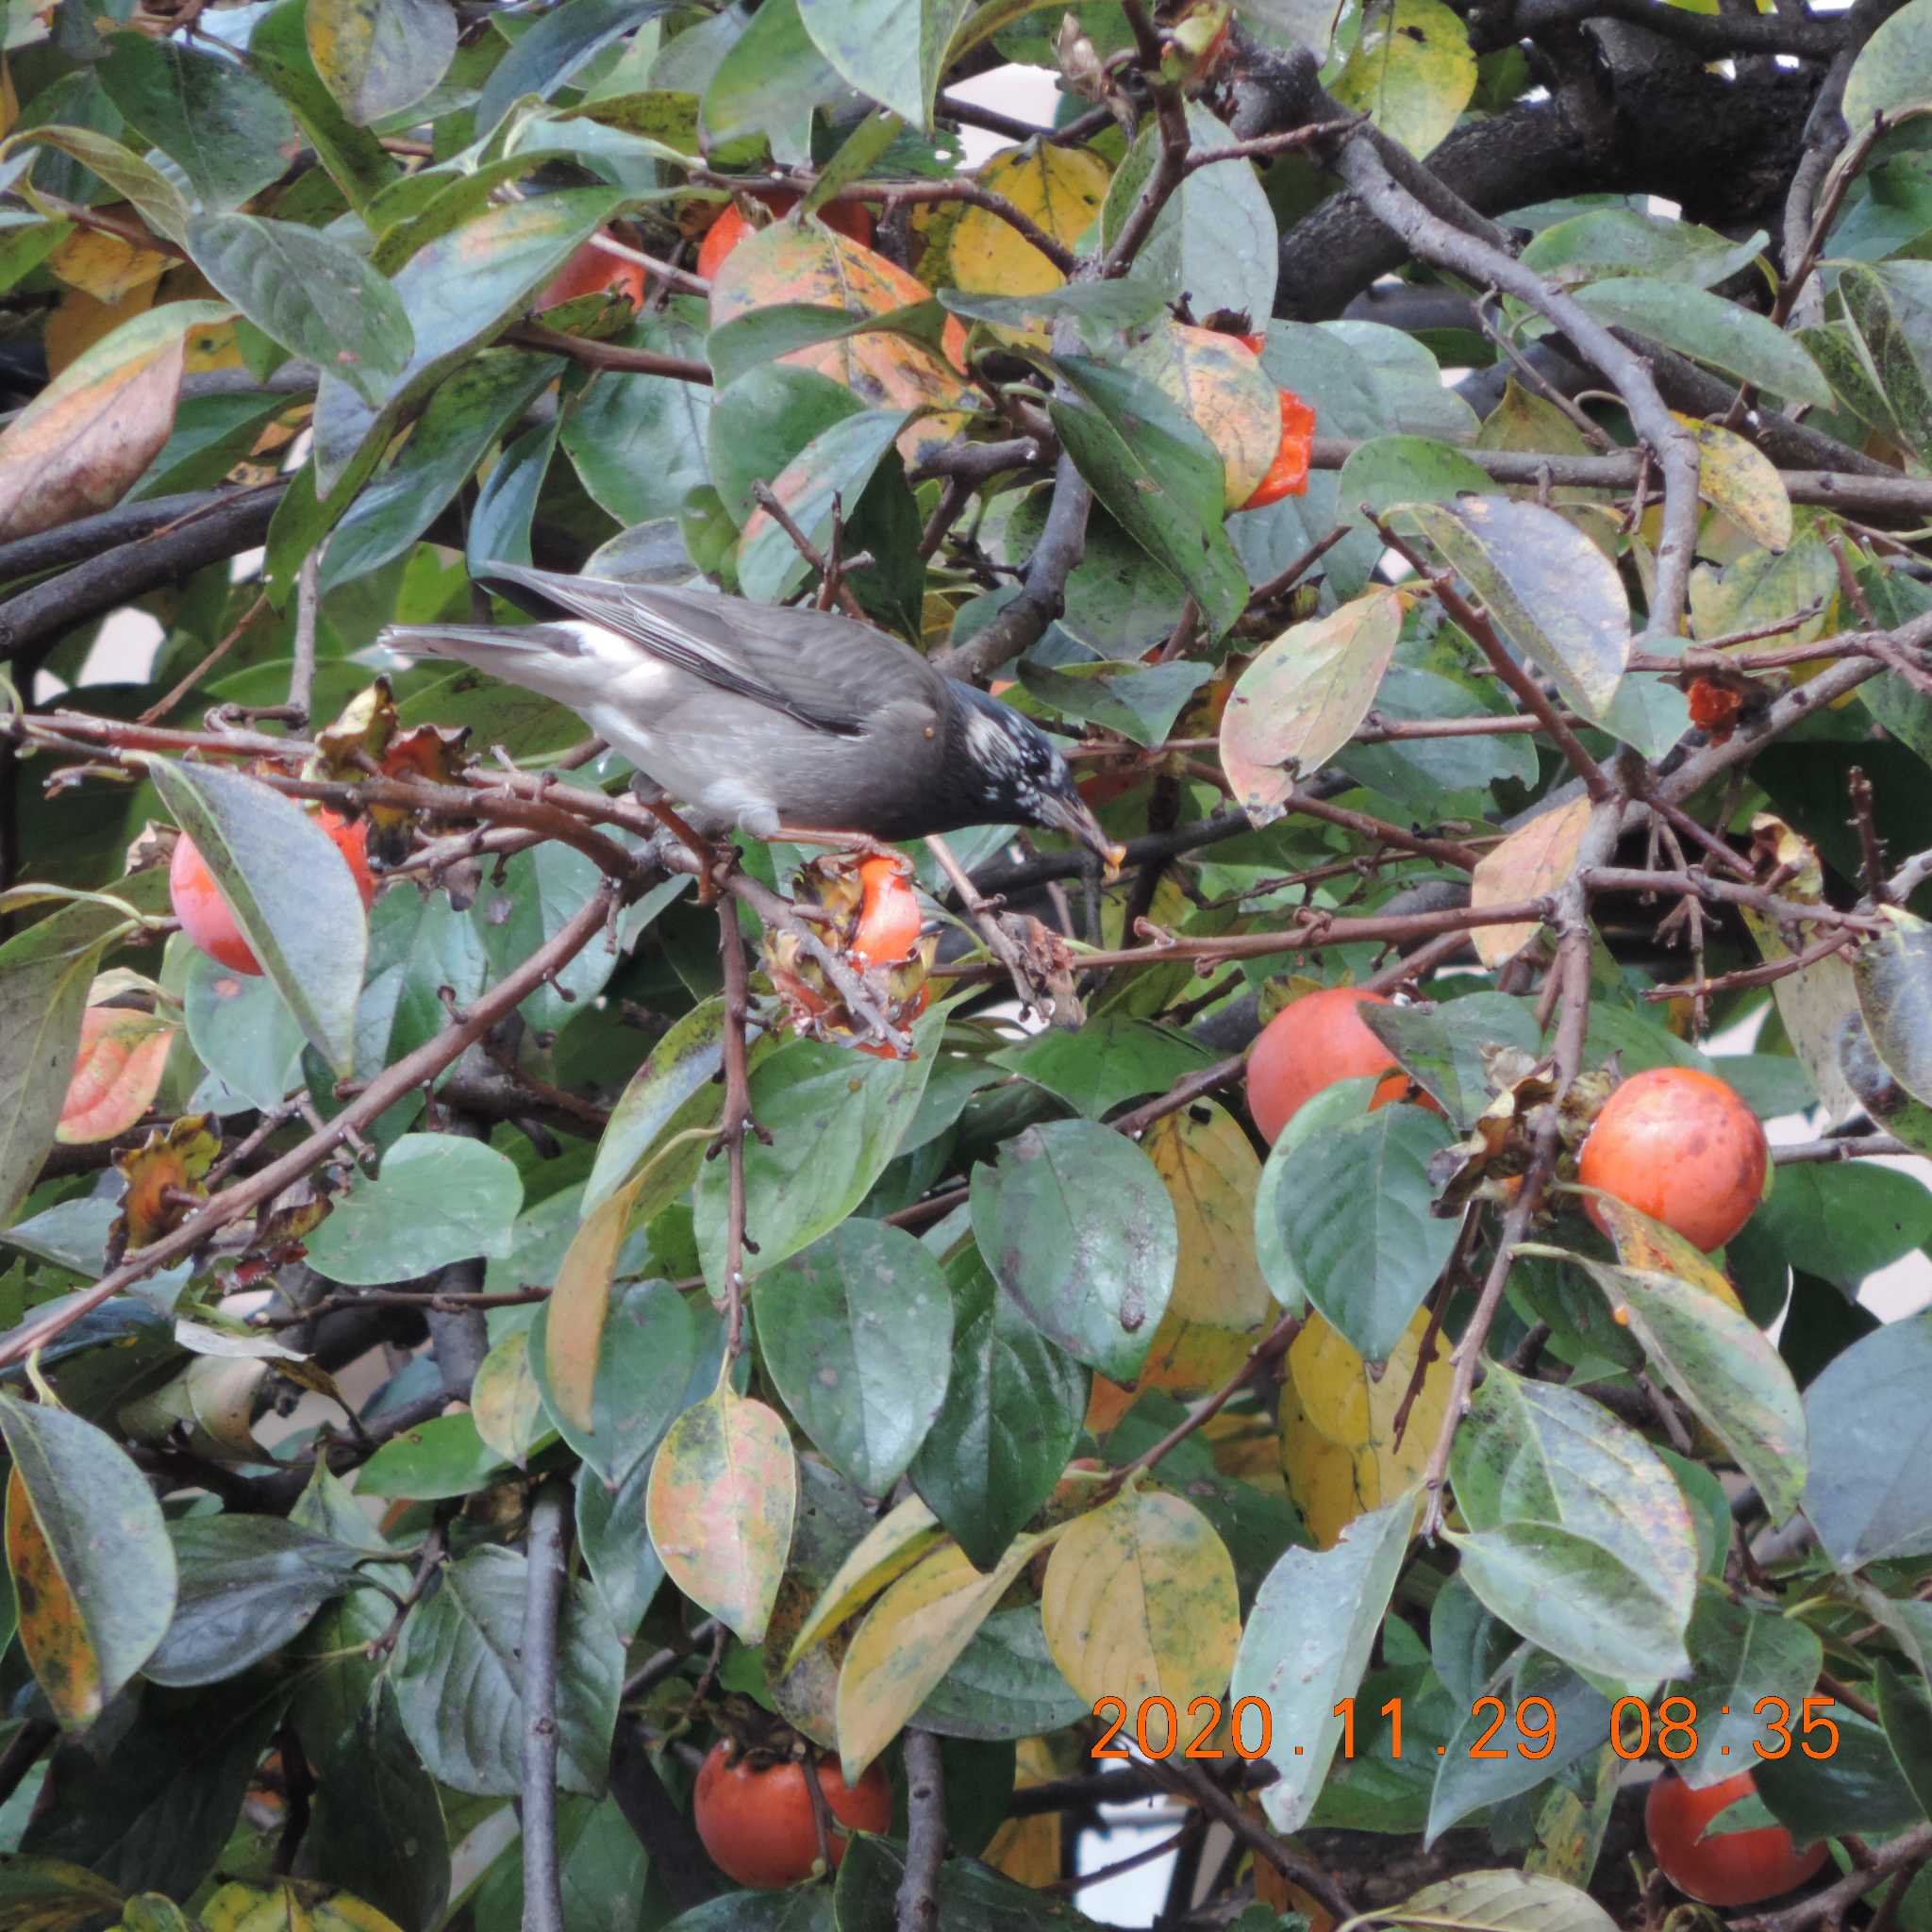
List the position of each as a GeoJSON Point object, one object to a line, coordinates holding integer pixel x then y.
{"type": "Point", "coordinates": [1534, 859]}
{"type": "Point", "coordinates": [804, 263]}
{"type": "Point", "coordinates": [164, 1178]}
{"type": "Point", "coordinates": [1650, 1246]}
{"type": "Point", "coordinates": [723, 1493]}
{"type": "Point", "coordinates": [117, 1073]}
{"type": "Point", "coordinates": [1219, 383]}
{"type": "Point", "coordinates": [1301, 700]}
{"type": "Point", "coordinates": [96, 426]}
{"type": "Point", "coordinates": [93, 1567]}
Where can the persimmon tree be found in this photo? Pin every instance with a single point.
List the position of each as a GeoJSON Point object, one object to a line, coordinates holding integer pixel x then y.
{"type": "Point", "coordinates": [1453, 476]}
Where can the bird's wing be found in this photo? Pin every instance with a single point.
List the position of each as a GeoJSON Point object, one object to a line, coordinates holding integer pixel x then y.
{"type": "Point", "coordinates": [827, 672]}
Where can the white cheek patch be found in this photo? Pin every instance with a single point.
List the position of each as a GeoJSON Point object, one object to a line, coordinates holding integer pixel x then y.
{"type": "Point", "coordinates": [989, 743]}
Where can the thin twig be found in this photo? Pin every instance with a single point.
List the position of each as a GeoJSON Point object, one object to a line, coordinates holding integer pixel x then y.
{"type": "Point", "coordinates": [542, 1597]}
{"type": "Point", "coordinates": [302, 668]}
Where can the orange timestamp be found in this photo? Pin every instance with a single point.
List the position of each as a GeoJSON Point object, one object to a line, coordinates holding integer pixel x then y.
{"type": "Point", "coordinates": [1524, 1729]}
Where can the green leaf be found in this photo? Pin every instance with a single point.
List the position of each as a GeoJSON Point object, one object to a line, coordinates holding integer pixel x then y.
{"type": "Point", "coordinates": [439, 1198]}
{"type": "Point", "coordinates": [759, 424]}
{"type": "Point", "coordinates": [1425, 773]}
{"type": "Point", "coordinates": [856, 1332]}
{"type": "Point", "coordinates": [1604, 242]}
{"type": "Point", "coordinates": [1102, 308]}
{"type": "Point", "coordinates": [769, 83]}
{"type": "Point", "coordinates": [1906, 1719]}
{"type": "Point", "coordinates": [458, 1679]}
{"type": "Point", "coordinates": [93, 1605]}
{"type": "Point", "coordinates": [1307, 1642]}
{"type": "Point", "coordinates": [290, 890]}
{"type": "Point", "coordinates": [1893, 71]}
{"type": "Point", "coordinates": [1139, 701]}
{"type": "Point", "coordinates": [1003, 1685]}
{"type": "Point", "coordinates": [1352, 1207]}
{"type": "Point", "coordinates": [1076, 1225]}
{"type": "Point", "coordinates": [1893, 974]}
{"type": "Point", "coordinates": [1159, 477]}
{"type": "Point", "coordinates": [506, 506]}
{"type": "Point", "coordinates": [672, 1090]}
{"type": "Point", "coordinates": [457, 290]}
{"type": "Point", "coordinates": [355, 160]}
{"type": "Point", "coordinates": [242, 1032]}
{"type": "Point", "coordinates": [1411, 70]}
{"type": "Point", "coordinates": [835, 1117]}
{"type": "Point", "coordinates": [310, 293]}
{"type": "Point", "coordinates": [1583, 1541]}
{"type": "Point", "coordinates": [1466, 1782]}
{"type": "Point", "coordinates": [378, 56]}
{"type": "Point", "coordinates": [767, 334]}
{"type": "Point", "coordinates": [1442, 1046]}
{"type": "Point", "coordinates": [1870, 1491]}
{"type": "Point", "coordinates": [249, 1585]}
{"type": "Point", "coordinates": [1741, 1654]}
{"type": "Point", "coordinates": [539, 893]}
{"type": "Point", "coordinates": [1215, 237]}
{"type": "Point", "coordinates": [638, 441]}
{"type": "Point", "coordinates": [45, 976]}
{"type": "Point", "coordinates": [439, 1458]}
{"type": "Point", "coordinates": [226, 130]}
{"type": "Point", "coordinates": [888, 51]}
{"type": "Point", "coordinates": [1012, 1412]}
{"type": "Point", "coordinates": [1844, 1220]}
{"type": "Point", "coordinates": [558, 44]}
{"type": "Point", "coordinates": [465, 416]}
{"type": "Point", "coordinates": [1726, 1369]}
{"type": "Point", "coordinates": [832, 468]}
{"type": "Point", "coordinates": [1888, 313]}
{"type": "Point", "coordinates": [646, 1354]}
{"type": "Point", "coordinates": [156, 198]}
{"type": "Point", "coordinates": [1735, 340]}
{"type": "Point", "coordinates": [1551, 591]}
{"type": "Point", "coordinates": [1110, 1060]}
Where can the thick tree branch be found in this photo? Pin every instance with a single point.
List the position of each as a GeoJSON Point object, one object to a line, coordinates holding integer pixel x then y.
{"type": "Point", "coordinates": [542, 1597]}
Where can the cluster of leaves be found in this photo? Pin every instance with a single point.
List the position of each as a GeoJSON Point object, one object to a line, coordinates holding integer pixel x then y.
{"type": "Point", "coordinates": [1042, 1381]}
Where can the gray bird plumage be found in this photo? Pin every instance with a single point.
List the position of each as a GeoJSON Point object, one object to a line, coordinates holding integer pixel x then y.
{"type": "Point", "coordinates": [766, 715]}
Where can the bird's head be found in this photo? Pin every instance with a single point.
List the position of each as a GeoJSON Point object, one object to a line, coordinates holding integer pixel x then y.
{"type": "Point", "coordinates": [1021, 777]}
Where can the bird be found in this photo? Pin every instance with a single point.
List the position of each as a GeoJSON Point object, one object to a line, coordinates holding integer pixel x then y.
{"type": "Point", "coordinates": [790, 723]}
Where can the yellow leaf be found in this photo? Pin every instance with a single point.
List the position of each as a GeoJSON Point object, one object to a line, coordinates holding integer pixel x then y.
{"type": "Point", "coordinates": [106, 267]}
{"type": "Point", "coordinates": [888, 1549]}
{"type": "Point", "coordinates": [1645, 1243]}
{"type": "Point", "coordinates": [1534, 859]}
{"type": "Point", "coordinates": [504, 1401]}
{"type": "Point", "coordinates": [51, 1632]}
{"type": "Point", "coordinates": [1219, 1299]}
{"type": "Point", "coordinates": [579, 1302]}
{"type": "Point", "coordinates": [722, 1496]}
{"type": "Point", "coordinates": [50, 1895]}
{"type": "Point", "coordinates": [1763, 587]}
{"type": "Point", "coordinates": [290, 1904]}
{"type": "Point", "coordinates": [1338, 1425]}
{"type": "Point", "coordinates": [1028, 1850]}
{"type": "Point", "coordinates": [1060, 188]}
{"type": "Point", "coordinates": [1411, 70]}
{"type": "Point", "coordinates": [1737, 479]}
{"type": "Point", "coordinates": [912, 1638]}
{"type": "Point", "coordinates": [1140, 1603]}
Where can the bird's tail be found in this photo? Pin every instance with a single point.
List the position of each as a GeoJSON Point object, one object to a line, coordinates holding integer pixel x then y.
{"type": "Point", "coordinates": [547, 659]}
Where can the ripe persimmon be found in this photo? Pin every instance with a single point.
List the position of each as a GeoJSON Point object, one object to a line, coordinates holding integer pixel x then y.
{"type": "Point", "coordinates": [204, 913]}
{"type": "Point", "coordinates": [594, 270]}
{"type": "Point", "coordinates": [849, 218]}
{"type": "Point", "coordinates": [1680, 1147]}
{"type": "Point", "coordinates": [1311, 1043]}
{"type": "Point", "coordinates": [1730, 1868]}
{"type": "Point", "coordinates": [889, 916]}
{"type": "Point", "coordinates": [1288, 475]}
{"type": "Point", "coordinates": [755, 1818]}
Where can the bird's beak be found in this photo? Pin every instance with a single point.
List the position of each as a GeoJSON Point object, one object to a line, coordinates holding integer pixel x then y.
{"type": "Point", "coordinates": [1070, 816]}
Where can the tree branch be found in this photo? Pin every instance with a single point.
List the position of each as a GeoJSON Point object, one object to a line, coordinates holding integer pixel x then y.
{"type": "Point", "coordinates": [543, 1595]}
